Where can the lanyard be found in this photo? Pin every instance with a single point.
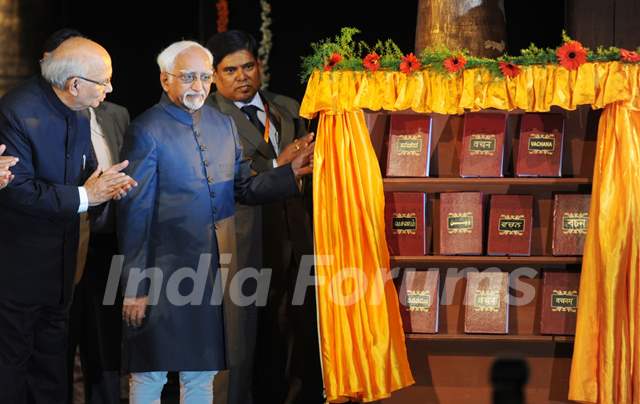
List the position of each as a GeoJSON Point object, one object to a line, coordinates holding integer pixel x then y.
{"type": "Point", "coordinates": [266, 124]}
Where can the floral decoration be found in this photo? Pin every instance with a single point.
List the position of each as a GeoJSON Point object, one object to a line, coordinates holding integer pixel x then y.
{"type": "Point", "coordinates": [334, 59]}
{"type": "Point", "coordinates": [571, 55]}
{"type": "Point", "coordinates": [509, 69]}
{"type": "Point", "coordinates": [371, 62]}
{"type": "Point", "coordinates": [409, 63]}
{"type": "Point", "coordinates": [629, 56]}
{"type": "Point", "coordinates": [454, 63]}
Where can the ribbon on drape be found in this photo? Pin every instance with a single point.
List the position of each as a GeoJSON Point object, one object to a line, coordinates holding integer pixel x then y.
{"type": "Point", "coordinates": [362, 343]}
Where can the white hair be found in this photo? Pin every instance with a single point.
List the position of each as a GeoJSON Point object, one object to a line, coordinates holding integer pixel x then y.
{"type": "Point", "coordinates": [167, 58]}
{"type": "Point", "coordinates": [57, 70]}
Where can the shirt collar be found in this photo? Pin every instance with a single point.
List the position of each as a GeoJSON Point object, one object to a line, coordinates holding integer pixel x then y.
{"type": "Point", "coordinates": [256, 100]}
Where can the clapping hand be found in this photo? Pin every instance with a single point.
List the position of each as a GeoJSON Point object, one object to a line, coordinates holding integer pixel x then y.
{"type": "Point", "coordinates": [110, 184]}
{"type": "Point", "coordinates": [6, 162]}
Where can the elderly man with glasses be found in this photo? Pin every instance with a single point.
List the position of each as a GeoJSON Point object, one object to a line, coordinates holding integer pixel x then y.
{"type": "Point", "coordinates": [41, 124]}
{"type": "Point", "coordinates": [188, 161]}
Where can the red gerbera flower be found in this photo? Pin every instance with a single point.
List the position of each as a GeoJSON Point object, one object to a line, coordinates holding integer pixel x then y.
{"type": "Point", "coordinates": [571, 55]}
{"type": "Point", "coordinates": [371, 62]}
{"type": "Point", "coordinates": [333, 60]}
{"type": "Point", "coordinates": [409, 64]}
{"type": "Point", "coordinates": [509, 69]}
{"type": "Point", "coordinates": [454, 63]}
{"type": "Point", "coordinates": [629, 56]}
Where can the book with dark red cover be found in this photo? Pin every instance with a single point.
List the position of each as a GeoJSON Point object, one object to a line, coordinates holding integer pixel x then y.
{"type": "Point", "coordinates": [405, 222]}
{"type": "Point", "coordinates": [540, 146]}
{"type": "Point", "coordinates": [482, 151]}
{"type": "Point", "coordinates": [487, 303]}
{"type": "Point", "coordinates": [570, 223]}
{"type": "Point", "coordinates": [510, 225]}
{"type": "Point", "coordinates": [409, 146]}
{"type": "Point", "coordinates": [559, 302]}
{"type": "Point", "coordinates": [461, 223]}
{"type": "Point", "coordinates": [419, 301]}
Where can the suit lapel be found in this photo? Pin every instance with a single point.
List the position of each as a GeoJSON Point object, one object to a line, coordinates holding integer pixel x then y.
{"type": "Point", "coordinates": [286, 131]}
{"type": "Point", "coordinates": [245, 129]}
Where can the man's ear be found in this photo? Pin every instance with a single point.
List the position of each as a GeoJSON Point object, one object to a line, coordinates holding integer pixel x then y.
{"type": "Point", "coordinates": [164, 80]}
{"type": "Point", "coordinates": [72, 86]}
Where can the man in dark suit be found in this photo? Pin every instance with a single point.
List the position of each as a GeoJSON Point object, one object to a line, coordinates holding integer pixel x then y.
{"type": "Point", "coordinates": [95, 327]}
{"type": "Point", "coordinates": [273, 350]}
{"type": "Point", "coordinates": [41, 124]}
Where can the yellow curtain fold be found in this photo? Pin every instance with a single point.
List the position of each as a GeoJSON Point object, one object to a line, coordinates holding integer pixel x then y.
{"type": "Point", "coordinates": [361, 336]}
{"type": "Point", "coordinates": [605, 367]}
{"type": "Point", "coordinates": [363, 351]}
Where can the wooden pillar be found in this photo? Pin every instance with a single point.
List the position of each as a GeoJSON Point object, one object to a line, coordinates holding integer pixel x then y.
{"type": "Point", "coordinates": [476, 25]}
{"type": "Point", "coordinates": [24, 24]}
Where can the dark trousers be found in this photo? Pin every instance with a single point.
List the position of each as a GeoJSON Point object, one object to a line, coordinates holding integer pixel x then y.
{"type": "Point", "coordinates": [95, 328]}
{"type": "Point", "coordinates": [33, 347]}
{"type": "Point", "coordinates": [286, 366]}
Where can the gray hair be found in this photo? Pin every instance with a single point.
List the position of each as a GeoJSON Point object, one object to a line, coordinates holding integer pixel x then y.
{"type": "Point", "coordinates": [167, 58]}
{"type": "Point", "coordinates": [57, 70]}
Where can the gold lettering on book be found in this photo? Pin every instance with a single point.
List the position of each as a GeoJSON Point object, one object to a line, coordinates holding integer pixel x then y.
{"type": "Point", "coordinates": [409, 145]}
{"type": "Point", "coordinates": [404, 223]}
{"type": "Point", "coordinates": [419, 300]}
{"type": "Point", "coordinates": [564, 301]}
{"type": "Point", "coordinates": [511, 225]}
{"type": "Point", "coordinates": [460, 223]}
{"type": "Point", "coordinates": [542, 143]}
{"type": "Point", "coordinates": [486, 300]}
{"type": "Point", "coordinates": [482, 144]}
{"type": "Point", "coordinates": [575, 222]}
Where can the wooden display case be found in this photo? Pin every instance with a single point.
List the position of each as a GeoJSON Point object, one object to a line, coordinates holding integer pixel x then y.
{"type": "Point", "coordinates": [452, 367]}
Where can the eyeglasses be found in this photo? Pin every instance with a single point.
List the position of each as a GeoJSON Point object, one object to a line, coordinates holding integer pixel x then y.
{"type": "Point", "coordinates": [105, 83]}
{"type": "Point", "coordinates": [188, 78]}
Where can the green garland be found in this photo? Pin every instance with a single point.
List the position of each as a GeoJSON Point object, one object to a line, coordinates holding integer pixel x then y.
{"type": "Point", "coordinates": [344, 53]}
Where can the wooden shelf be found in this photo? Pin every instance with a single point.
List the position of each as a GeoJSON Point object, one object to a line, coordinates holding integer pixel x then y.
{"type": "Point", "coordinates": [479, 260]}
{"type": "Point", "coordinates": [490, 338]}
{"type": "Point", "coordinates": [433, 184]}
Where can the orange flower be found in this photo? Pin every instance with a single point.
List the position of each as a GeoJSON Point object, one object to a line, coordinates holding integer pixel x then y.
{"type": "Point", "coordinates": [629, 56]}
{"type": "Point", "coordinates": [371, 62]}
{"type": "Point", "coordinates": [409, 64]}
{"type": "Point", "coordinates": [454, 63]}
{"type": "Point", "coordinates": [571, 55]}
{"type": "Point", "coordinates": [223, 15]}
{"type": "Point", "coordinates": [333, 60]}
{"type": "Point", "coordinates": [509, 69]}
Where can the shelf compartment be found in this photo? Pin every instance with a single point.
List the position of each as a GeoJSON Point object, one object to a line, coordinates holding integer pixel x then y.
{"type": "Point", "coordinates": [481, 260]}
{"type": "Point", "coordinates": [490, 338]}
{"type": "Point", "coordinates": [438, 184]}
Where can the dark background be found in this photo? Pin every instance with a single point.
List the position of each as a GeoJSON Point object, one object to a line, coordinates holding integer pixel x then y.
{"type": "Point", "coordinates": [134, 32]}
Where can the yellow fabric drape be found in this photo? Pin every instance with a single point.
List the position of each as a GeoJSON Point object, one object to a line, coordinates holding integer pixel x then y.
{"type": "Point", "coordinates": [349, 215]}
{"type": "Point", "coordinates": [361, 337]}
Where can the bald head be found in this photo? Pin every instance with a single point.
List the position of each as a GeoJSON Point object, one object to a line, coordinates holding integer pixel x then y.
{"type": "Point", "coordinates": [74, 57]}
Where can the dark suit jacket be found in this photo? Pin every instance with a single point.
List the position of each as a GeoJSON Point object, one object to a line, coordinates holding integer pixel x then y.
{"type": "Point", "coordinates": [39, 209]}
{"type": "Point", "coordinates": [113, 119]}
{"type": "Point", "coordinates": [272, 236]}
{"type": "Point", "coordinates": [260, 230]}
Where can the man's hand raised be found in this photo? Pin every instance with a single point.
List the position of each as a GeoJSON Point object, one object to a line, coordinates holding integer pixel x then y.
{"type": "Point", "coordinates": [303, 163]}
{"type": "Point", "coordinates": [110, 184]}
